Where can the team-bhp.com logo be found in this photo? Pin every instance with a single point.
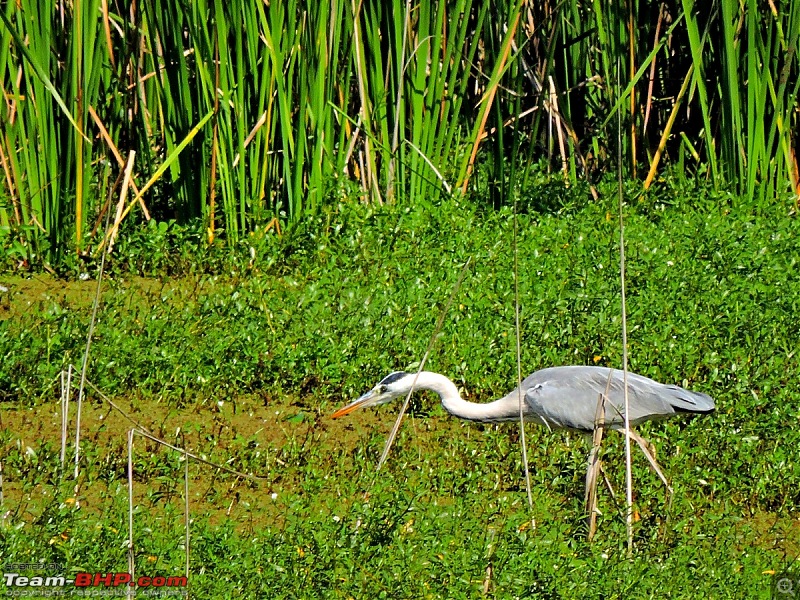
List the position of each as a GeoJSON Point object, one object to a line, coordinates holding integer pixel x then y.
{"type": "Point", "coordinates": [17, 584]}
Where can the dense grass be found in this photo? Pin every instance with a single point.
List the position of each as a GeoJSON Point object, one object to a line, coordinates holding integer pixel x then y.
{"type": "Point", "coordinates": [306, 321]}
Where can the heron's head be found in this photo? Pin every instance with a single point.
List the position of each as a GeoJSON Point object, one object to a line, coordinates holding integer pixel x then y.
{"type": "Point", "coordinates": [390, 387]}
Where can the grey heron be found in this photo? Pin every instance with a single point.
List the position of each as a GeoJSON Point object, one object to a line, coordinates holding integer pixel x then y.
{"type": "Point", "coordinates": [569, 397]}
{"type": "Point", "coordinates": [558, 397]}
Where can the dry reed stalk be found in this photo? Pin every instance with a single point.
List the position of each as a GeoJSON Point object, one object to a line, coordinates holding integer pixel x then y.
{"type": "Point", "coordinates": [136, 430]}
{"type": "Point", "coordinates": [126, 181]}
{"type": "Point", "coordinates": [667, 130]}
{"type": "Point", "coordinates": [632, 74]}
{"type": "Point", "coordinates": [520, 399]}
{"type": "Point", "coordinates": [85, 363]}
{"type": "Point", "coordinates": [649, 102]}
{"type": "Point", "coordinates": [117, 156]}
{"type": "Point", "coordinates": [143, 431]}
{"type": "Point", "coordinates": [163, 168]}
{"type": "Point", "coordinates": [628, 463]}
{"type": "Point", "coordinates": [186, 507]}
{"type": "Point", "coordinates": [66, 389]}
{"type": "Point", "coordinates": [489, 96]}
{"type": "Point", "coordinates": [131, 561]}
{"type": "Point", "coordinates": [487, 580]}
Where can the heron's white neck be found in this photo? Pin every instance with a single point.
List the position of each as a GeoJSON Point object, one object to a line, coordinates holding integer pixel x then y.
{"type": "Point", "coordinates": [504, 409]}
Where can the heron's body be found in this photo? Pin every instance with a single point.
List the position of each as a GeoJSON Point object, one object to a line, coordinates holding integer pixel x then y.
{"type": "Point", "coordinates": [559, 397]}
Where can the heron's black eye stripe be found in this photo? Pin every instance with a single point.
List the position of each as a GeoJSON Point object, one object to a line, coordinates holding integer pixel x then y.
{"type": "Point", "coordinates": [392, 377]}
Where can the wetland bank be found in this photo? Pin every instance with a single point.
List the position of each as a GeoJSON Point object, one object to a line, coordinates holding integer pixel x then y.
{"type": "Point", "coordinates": [242, 364]}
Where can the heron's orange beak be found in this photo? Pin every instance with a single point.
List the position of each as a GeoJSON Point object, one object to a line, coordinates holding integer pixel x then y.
{"type": "Point", "coordinates": [368, 399]}
{"type": "Point", "coordinates": [345, 410]}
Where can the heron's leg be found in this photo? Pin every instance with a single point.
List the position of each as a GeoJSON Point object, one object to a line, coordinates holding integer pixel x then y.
{"type": "Point", "coordinates": [595, 465]}
{"type": "Point", "coordinates": [644, 445]}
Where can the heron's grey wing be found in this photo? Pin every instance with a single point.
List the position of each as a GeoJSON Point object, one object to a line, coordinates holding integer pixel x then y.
{"type": "Point", "coordinates": [568, 397]}
{"type": "Point", "coordinates": [563, 397]}
{"type": "Point", "coordinates": [649, 399]}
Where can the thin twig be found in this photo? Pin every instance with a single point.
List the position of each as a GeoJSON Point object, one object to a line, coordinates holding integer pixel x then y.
{"type": "Point", "coordinates": [142, 430]}
{"type": "Point", "coordinates": [85, 364]}
{"type": "Point", "coordinates": [432, 341]}
{"type": "Point", "coordinates": [519, 372]}
{"type": "Point", "coordinates": [555, 116]}
{"type": "Point", "coordinates": [627, 430]}
{"type": "Point", "coordinates": [131, 562]}
{"type": "Point", "coordinates": [66, 393]}
{"type": "Point", "coordinates": [433, 168]}
{"type": "Point", "coordinates": [186, 505]}
{"type": "Point", "coordinates": [126, 182]}
{"type": "Point", "coordinates": [398, 103]}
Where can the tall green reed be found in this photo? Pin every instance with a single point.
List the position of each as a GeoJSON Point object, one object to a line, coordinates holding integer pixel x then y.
{"type": "Point", "coordinates": [386, 101]}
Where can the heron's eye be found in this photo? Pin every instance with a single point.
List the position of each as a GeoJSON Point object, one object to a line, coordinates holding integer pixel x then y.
{"type": "Point", "coordinates": [381, 389]}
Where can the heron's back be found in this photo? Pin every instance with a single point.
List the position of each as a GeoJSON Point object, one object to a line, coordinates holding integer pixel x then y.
{"type": "Point", "coordinates": [568, 396]}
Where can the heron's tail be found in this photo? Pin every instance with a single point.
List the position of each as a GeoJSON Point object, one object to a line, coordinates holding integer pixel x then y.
{"type": "Point", "coordinates": [684, 401]}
